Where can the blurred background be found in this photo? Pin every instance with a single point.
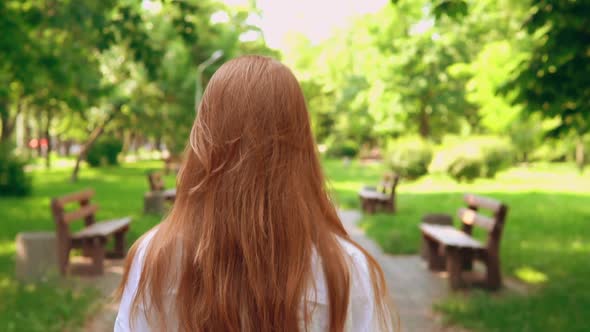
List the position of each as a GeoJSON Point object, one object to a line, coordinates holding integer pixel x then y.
{"type": "Point", "coordinates": [486, 96]}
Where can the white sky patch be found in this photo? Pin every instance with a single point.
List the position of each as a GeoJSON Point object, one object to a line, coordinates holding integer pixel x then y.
{"type": "Point", "coordinates": [249, 36]}
{"type": "Point", "coordinates": [422, 26]}
{"type": "Point", "coordinates": [153, 6]}
{"type": "Point", "coordinates": [219, 17]}
{"type": "Point", "coordinates": [315, 19]}
{"type": "Point", "coordinates": [254, 19]}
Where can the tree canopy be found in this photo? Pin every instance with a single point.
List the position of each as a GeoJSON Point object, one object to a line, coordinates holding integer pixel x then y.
{"type": "Point", "coordinates": [73, 69]}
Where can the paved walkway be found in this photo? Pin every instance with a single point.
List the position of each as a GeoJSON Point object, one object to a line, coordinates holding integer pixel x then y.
{"type": "Point", "coordinates": [104, 319]}
{"type": "Point", "coordinates": [412, 287]}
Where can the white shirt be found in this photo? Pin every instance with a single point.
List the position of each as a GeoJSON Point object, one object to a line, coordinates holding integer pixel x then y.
{"type": "Point", "coordinates": [361, 310]}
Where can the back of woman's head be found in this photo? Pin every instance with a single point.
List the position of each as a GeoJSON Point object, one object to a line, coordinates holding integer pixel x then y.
{"type": "Point", "coordinates": [250, 212]}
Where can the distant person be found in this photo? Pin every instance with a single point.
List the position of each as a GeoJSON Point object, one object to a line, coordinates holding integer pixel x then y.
{"type": "Point", "coordinates": [253, 242]}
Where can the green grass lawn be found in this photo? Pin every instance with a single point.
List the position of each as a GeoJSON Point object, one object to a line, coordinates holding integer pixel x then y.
{"type": "Point", "coordinates": [62, 305]}
{"type": "Point", "coordinates": [546, 244]}
{"type": "Point", "coordinates": [546, 241]}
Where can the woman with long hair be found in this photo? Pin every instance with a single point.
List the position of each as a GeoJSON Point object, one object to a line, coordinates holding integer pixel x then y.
{"type": "Point", "coordinates": [253, 241]}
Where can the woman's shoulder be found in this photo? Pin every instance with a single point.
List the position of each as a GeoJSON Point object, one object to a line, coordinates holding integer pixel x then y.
{"type": "Point", "coordinates": [142, 244]}
{"type": "Point", "coordinates": [356, 256]}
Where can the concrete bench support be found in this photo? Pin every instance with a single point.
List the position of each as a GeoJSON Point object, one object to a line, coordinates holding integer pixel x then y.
{"type": "Point", "coordinates": [35, 255]}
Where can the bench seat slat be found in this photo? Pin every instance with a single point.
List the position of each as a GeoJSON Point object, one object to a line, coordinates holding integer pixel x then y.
{"type": "Point", "coordinates": [82, 212]}
{"type": "Point", "coordinates": [372, 194]}
{"type": "Point", "coordinates": [170, 193]}
{"type": "Point", "coordinates": [103, 228]}
{"type": "Point", "coordinates": [450, 236]}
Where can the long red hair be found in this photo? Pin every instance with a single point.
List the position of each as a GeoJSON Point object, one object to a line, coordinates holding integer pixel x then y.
{"type": "Point", "coordinates": [250, 210]}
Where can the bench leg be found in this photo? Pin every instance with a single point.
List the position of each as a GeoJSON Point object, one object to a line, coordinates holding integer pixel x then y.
{"type": "Point", "coordinates": [454, 267]}
{"type": "Point", "coordinates": [63, 257]}
{"type": "Point", "coordinates": [467, 260]}
{"type": "Point", "coordinates": [86, 252]}
{"type": "Point", "coordinates": [119, 251]}
{"type": "Point", "coordinates": [372, 207]}
{"type": "Point", "coordinates": [424, 249]}
{"type": "Point", "coordinates": [436, 262]}
{"type": "Point", "coordinates": [97, 247]}
{"type": "Point", "coordinates": [493, 273]}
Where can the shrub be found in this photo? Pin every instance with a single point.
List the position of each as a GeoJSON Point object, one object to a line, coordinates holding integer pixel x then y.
{"type": "Point", "coordinates": [343, 149]}
{"type": "Point", "coordinates": [526, 136]}
{"type": "Point", "coordinates": [13, 179]}
{"type": "Point", "coordinates": [104, 152]}
{"type": "Point", "coordinates": [466, 168]}
{"type": "Point", "coordinates": [409, 157]}
{"type": "Point", "coordinates": [467, 159]}
{"type": "Point", "coordinates": [496, 157]}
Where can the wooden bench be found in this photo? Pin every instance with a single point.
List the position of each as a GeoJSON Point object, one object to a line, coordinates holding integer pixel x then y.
{"type": "Point", "coordinates": [172, 163]}
{"type": "Point", "coordinates": [373, 199]}
{"type": "Point", "coordinates": [456, 250]}
{"type": "Point", "coordinates": [156, 182]}
{"type": "Point", "coordinates": [370, 155]}
{"type": "Point", "coordinates": [92, 238]}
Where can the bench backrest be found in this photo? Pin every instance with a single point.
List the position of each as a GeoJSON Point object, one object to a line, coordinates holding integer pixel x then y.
{"type": "Point", "coordinates": [493, 225]}
{"type": "Point", "coordinates": [156, 181]}
{"type": "Point", "coordinates": [63, 218]}
{"type": "Point", "coordinates": [389, 185]}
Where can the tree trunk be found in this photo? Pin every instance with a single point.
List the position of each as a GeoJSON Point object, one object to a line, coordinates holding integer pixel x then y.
{"type": "Point", "coordinates": [39, 136]}
{"type": "Point", "coordinates": [7, 124]}
{"type": "Point", "coordinates": [68, 148]}
{"type": "Point", "coordinates": [126, 142]}
{"type": "Point", "coordinates": [158, 143]}
{"type": "Point", "coordinates": [27, 135]}
{"type": "Point", "coordinates": [424, 122]}
{"type": "Point", "coordinates": [580, 156]}
{"type": "Point", "coordinates": [48, 138]}
{"type": "Point", "coordinates": [94, 135]}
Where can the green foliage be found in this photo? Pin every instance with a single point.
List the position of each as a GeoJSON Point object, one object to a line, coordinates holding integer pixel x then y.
{"type": "Point", "coordinates": [69, 67]}
{"type": "Point", "coordinates": [346, 148]}
{"type": "Point", "coordinates": [409, 157]}
{"type": "Point", "coordinates": [417, 67]}
{"type": "Point", "coordinates": [469, 158]}
{"type": "Point", "coordinates": [497, 156]}
{"type": "Point", "coordinates": [553, 151]}
{"type": "Point", "coordinates": [466, 169]}
{"type": "Point", "coordinates": [554, 80]}
{"type": "Point", "coordinates": [104, 151]}
{"type": "Point", "coordinates": [488, 72]}
{"type": "Point", "coordinates": [526, 136]}
{"type": "Point", "coordinates": [559, 149]}
{"type": "Point", "coordinates": [14, 181]}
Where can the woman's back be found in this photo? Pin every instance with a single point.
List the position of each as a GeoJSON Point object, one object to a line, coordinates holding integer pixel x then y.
{"type": "Point", "coordinates": [252, 226]}
{"type": "Point", "coordinates": [361, 315]}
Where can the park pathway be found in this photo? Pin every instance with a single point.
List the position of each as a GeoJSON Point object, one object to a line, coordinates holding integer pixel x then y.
{"type": "Point", "coordinates": [412, 287]}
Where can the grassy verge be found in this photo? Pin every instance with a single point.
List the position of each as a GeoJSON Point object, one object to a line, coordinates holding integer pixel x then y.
{"type": "Point", "coordinates": [62, 305]}
{"type": "Point", "coordinates": [546, 243]}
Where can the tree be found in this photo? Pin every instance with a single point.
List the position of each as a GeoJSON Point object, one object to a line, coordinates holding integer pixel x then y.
{"type": "Point", "coordinates": [554, 81]}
